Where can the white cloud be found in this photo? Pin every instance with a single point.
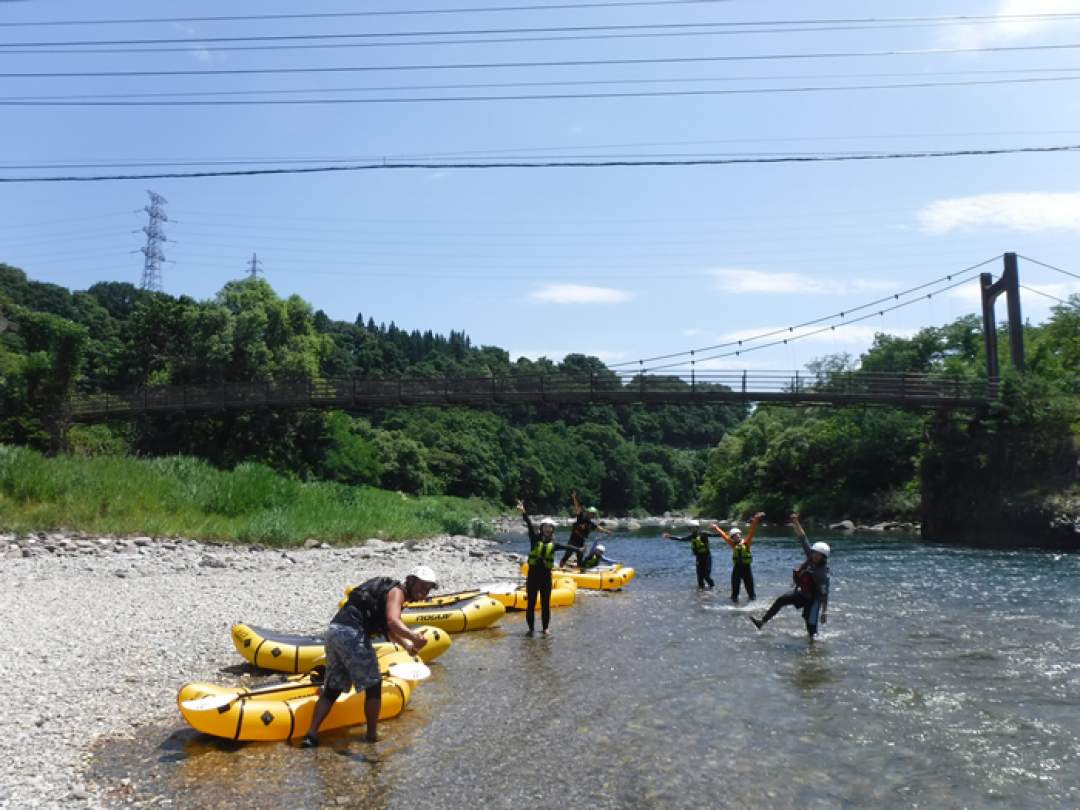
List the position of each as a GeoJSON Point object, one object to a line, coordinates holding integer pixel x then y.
{"type": "Point", "coordinates": [579, 294]}
{"type": "Point", "coordinates": [692, 332]}
{"type": "Point", "coordinates": [971, 296]}
{"type": "Point", "coordinates": [557, 355]}
{"type": "Point", "coordinates": [860, 333]}
{"type": "Point", "coordinates": [737, 280]}
{"type": "Point", "coordinates": [1008, 30]}
{"type": "Point", "coordinates": [1026, 212]}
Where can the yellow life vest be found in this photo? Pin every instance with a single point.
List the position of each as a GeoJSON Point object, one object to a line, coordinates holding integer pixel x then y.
{"type": "Point", "coordinates": [542, 555]}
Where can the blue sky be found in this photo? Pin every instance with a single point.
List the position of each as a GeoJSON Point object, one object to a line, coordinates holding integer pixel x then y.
{"type": "Point", "coordinates": [621, 263]}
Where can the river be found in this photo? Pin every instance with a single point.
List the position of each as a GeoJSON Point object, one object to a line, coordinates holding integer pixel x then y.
{"type": "Point", "coordinates": [945, 677]}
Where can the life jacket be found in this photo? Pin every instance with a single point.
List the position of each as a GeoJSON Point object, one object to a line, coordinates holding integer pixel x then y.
{"type": "Point", "coordinates": [699, 544]}
{"type": "Point", "coordinates": [542, 555]}
{"type": "Point", "coordinates": [740, 553]}
{"type": "Point", "coordinates": [366, 605]}
{"type": "Point", "coordinates": [804, 579]}
{"type": "Point", "coordinates": [591, 562]}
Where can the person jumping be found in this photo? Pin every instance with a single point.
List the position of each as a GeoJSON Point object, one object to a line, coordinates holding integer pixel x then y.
{"type": "Point", "coordinates": [811, 593]}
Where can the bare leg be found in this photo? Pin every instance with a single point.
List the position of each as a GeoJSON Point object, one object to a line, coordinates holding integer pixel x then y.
{"type": "Point", "coordinates": [372, 707]}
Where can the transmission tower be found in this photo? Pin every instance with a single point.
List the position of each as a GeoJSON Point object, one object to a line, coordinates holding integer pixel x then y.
{"type": "Point", "coordinates": [155, 237]}
{"type": "Point", "coordinates": [254, 267]}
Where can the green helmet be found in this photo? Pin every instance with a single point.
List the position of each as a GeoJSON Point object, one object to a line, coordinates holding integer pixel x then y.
{"type": "Point", "coordinates": [592, 510]}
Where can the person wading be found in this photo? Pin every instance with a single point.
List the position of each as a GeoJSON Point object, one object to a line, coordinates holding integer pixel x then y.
{"type": "Point", "coordinates": [373, 608]}
{"type": "Point", "coordinates": [542, 547]}
{"type": "Point", "coordinates": [811, 593]}
{"type": "Point", "coordinates": [699, 545]}
{"type": "Point", "coordinates": [583, 526]}
{"type": "Point", "coordinates": [741, 557]}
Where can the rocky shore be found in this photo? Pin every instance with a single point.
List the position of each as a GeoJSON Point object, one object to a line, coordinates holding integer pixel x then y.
{"type": "Point", "coordinates": [98, 633]}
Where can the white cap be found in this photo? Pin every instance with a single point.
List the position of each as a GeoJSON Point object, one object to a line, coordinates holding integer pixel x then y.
{"type": "Point", "coordinates": [693, 524]}
{"type": "Point", "coordinates": [547, 522]}
{"type": "Point", "coordinates": [424, 574]}
{"type": "Point", "coordinates": [821, 548]}
{"type": "Point", "coordinates": [735, 530]}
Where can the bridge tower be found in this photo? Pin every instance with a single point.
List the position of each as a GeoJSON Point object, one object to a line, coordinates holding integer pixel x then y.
{"type": "Point", "coordinates": [1009, 283]}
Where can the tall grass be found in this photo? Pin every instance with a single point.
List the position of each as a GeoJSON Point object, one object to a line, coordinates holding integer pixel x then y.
{"type": "Point", "coordinates": [182, 496]}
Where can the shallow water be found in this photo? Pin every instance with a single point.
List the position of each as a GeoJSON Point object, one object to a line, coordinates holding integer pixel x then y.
{"type": "Point", "coordinates": [945, 677]}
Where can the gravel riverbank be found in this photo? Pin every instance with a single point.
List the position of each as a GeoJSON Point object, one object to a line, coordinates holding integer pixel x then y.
{"type": "Point", "coordinates": [99, 633]}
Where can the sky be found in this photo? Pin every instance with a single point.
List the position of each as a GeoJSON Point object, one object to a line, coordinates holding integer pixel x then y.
{"type": "Point", "coordinates": [622, 262]}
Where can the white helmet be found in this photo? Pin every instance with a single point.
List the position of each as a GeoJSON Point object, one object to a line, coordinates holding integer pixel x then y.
{"type": "Point", "coordinates": [693, 524]}
{"type": "Point", "coordinates": [735, 531]}
{"type": "Point", "coordinates": [424, 574]}
{"type": "Point", "coordinates": [600, 548]}
{"type": "Point", "coordinates": [821, 548]}
{"type": "Point", "coordinates": [547, 522]}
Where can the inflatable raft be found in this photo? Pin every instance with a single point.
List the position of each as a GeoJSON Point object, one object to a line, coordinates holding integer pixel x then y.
{"type": "Point", "coordinates": [285, 652]}
{"type": "Point", "coordinates": [515, 597]}
{"type": "Point", "coordinates": [452, 612]}
{"type": "Point", "coordinates": [606, 578]}
{"type": "Point", "coordinates": [282, 711]}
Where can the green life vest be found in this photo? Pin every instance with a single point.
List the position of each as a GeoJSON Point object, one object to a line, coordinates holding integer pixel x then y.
{"type": "Point", "coordinates": [699, 544]}
{"type": "Point", "coordinates": [542, 555]}
{"type": "Point", "coordinates": [591, 562]}
{"type": "Point", "coordinates": [741, 554]}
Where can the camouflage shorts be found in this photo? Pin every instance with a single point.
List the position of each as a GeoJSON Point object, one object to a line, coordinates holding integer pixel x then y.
{"type": "Point", "coordinates": [350, 659]}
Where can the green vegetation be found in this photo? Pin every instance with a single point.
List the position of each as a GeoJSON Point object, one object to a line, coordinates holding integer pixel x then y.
{"type": "Point", "coordinates": [182, 496]}
{"type": "Point", "coordinates": [114, 336]}
{"type": "Point", "coordinates": [955, 470]}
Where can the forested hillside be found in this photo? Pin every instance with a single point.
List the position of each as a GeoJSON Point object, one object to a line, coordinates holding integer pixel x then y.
{"type": "Point", "coordinates": [114, 335]}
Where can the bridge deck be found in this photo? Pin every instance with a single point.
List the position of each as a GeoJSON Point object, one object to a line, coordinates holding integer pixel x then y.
{"type": "Point", "coordinates": [844, 388]}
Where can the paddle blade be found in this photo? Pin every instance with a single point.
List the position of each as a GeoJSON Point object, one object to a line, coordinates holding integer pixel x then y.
{"type": "Point", "coordinates": [414, 671]}
{"type": "Point", "coordinates": [207, 702]}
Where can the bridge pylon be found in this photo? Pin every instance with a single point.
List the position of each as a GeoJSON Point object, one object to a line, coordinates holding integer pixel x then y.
{"type": "Point", "coordinates": [1009, 283]}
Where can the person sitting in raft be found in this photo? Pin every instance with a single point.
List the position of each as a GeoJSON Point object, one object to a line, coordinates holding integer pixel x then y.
{"type": "Point", "coordinates": [373, 607]}
{"type": "Point", "coordinates": [542, 547]}
{"type": "Point", "coordinates": [741, 557]}
{"type": "Point", "coordinates": [811, 593]}
{"type": "Point", "coordinates": [699, 545]}
{"type": "Point", "coordinates": [595, 557]}
{"type": "Point", "coordinates": [583, 526]}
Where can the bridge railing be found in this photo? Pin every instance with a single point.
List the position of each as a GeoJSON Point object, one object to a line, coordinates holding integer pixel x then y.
{"type": "Point", "coordinates": [606, 387]}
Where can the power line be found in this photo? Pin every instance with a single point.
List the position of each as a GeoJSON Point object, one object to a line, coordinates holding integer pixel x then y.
{"type": "Point", "coordinates": [537, 96]}
{"type": "Point", "coordinates": [553, 63]}
{"type": "Point", "coordinates": [350, 14]}
{"type": "Point", "coordinates": [554, 164]}
{"type": "Point", "coordinates": [556, 83]}
{"type": "Point", "coordinates": [502, 35]}
{"type": "Point", "coordinates": [814, 322]}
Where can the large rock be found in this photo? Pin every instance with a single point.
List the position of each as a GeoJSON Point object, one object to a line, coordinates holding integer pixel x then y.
{"type": "Point", "coordinates": [842, 526]}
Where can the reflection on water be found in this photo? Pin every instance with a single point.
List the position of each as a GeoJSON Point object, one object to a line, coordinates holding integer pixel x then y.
{"type": "Point", "coordinates": [945, 678]}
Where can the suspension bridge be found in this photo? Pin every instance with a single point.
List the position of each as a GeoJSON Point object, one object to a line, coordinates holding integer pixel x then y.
{"type": "Point", "coordinates": [679, 378]}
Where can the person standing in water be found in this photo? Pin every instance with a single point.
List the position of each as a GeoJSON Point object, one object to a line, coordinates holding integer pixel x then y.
{"type": "Point", "coordinates": [584, 524]}
{"type": "Point", "coordinates": [371, 608]}
{"type": "Point", "coordinates": [811, 593]}
{"type": "Point", "coordinates": [699, 545]}
{"type": "Point", "coordinates": [542, 547]}
{"type": "Point", "coordinates": [741, 557]}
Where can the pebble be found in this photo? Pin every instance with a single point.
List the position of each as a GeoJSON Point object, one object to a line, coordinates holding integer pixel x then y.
{"type": "Point", "coordinates": [168, 624]}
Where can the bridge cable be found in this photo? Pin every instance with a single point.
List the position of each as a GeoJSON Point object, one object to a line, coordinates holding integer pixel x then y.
{"type": "Point", "coordinates": [815, 321]}
{"type": "Point", "coordinates": [1048, 266]}
{"type": "Point", "coordinates": [879, 313]}
{"type": "Point", "coordinates": [1046, 295]}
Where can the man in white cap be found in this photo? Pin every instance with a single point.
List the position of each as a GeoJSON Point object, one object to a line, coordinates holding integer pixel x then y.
{"type": "Point", "coordinates": [699, 545]}
{"type": "Point", "coordinates": [372, 608]}
{"type": "Point", "coordinates": [811, 594]}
